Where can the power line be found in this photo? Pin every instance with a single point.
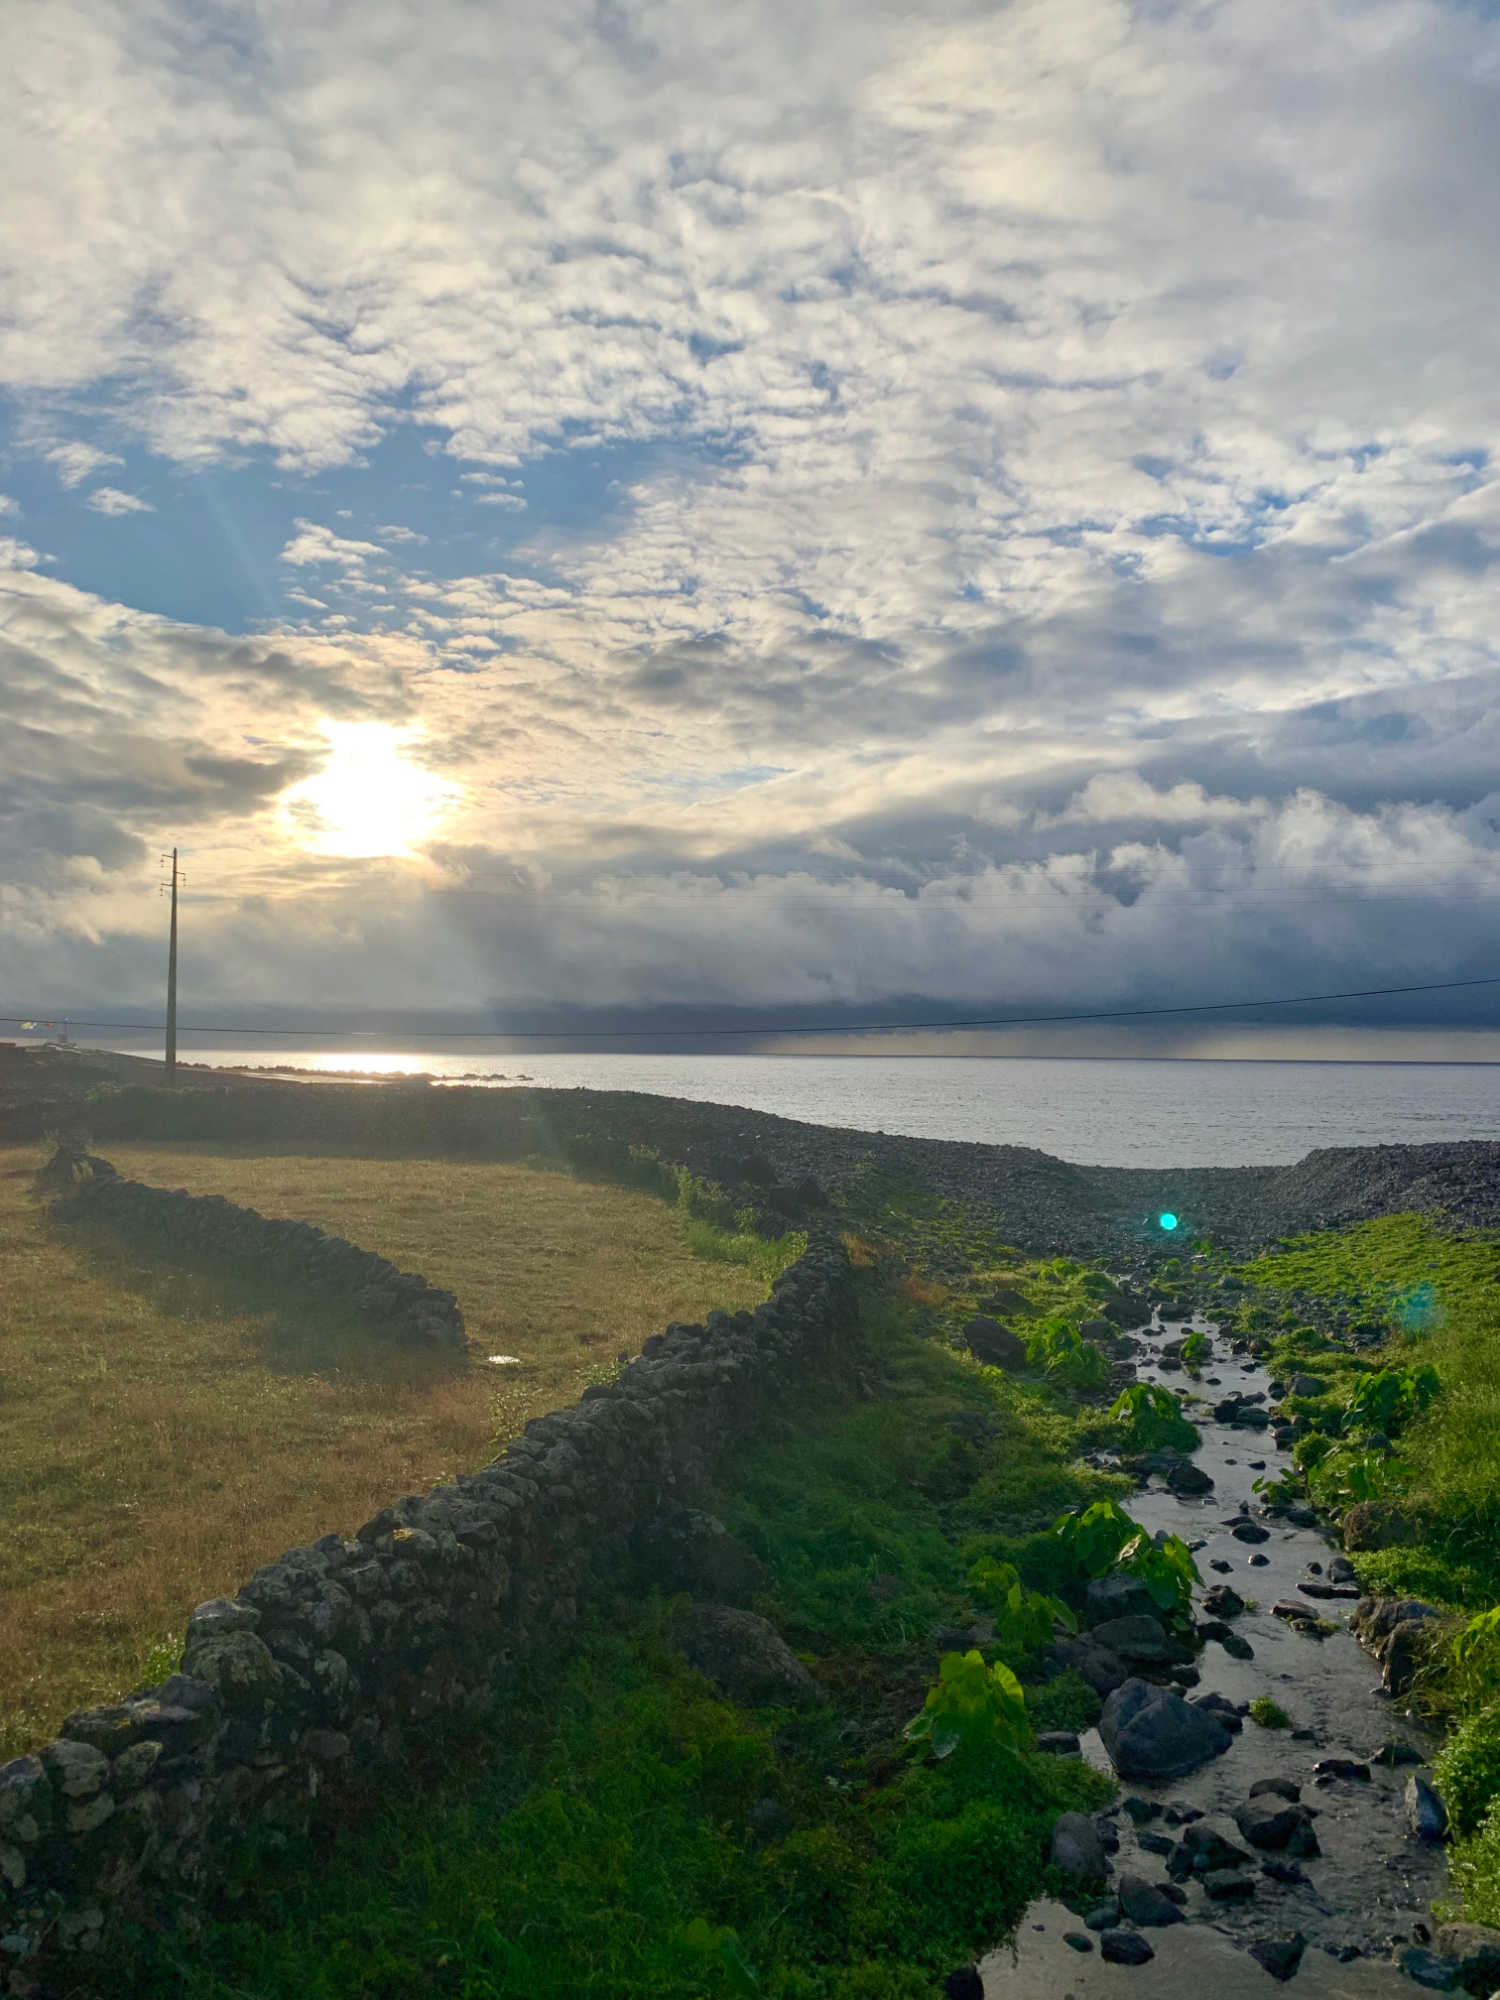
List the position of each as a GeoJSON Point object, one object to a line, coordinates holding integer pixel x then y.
{"type": "Point", "coordinates": [852, 1028]}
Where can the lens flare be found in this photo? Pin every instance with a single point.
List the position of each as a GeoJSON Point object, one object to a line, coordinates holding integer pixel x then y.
{"type": "Point", "coordinates": [1168, 1220]}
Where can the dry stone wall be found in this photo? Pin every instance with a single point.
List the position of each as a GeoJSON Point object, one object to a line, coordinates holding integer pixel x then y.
{"type": "Point", "coordinates": [297, 1258]}
{"type": "Point", "coordinates": [334, 1656]}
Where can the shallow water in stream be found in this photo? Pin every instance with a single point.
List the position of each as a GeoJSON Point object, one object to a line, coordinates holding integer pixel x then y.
{"type": "Point", "coordinates": [1374, 1880]}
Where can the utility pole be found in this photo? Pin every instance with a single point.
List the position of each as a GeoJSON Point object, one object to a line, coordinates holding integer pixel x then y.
{"type": "Point", "coordinates": [172, 981]}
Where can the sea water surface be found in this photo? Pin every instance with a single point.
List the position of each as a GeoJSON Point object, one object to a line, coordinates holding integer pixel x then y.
{"type": "Point", "coordinates": [1099, 1112]}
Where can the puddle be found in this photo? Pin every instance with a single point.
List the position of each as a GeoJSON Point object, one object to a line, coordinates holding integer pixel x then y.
{"type": "Point", "coordinates": [1373, 1881]}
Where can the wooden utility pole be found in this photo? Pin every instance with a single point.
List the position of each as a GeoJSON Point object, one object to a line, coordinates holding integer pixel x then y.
{"type": "Point", "coordinates": [172, 981]}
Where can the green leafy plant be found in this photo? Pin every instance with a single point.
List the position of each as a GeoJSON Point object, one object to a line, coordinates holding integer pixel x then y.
{"type": "Point", "coordinates": [717, 1948]}
{"type": "Point", "coordinates": [976, 1710]}
{"type": "Point", "coordinates": [1166, 1568]}
{"type": "Point", "coordinates": [1195, 1348]}
{"type": "Point", "coordinates": [1088, 1539]}
{"type": "Point", "coordinates": [1102, 1538]}
{"type": "Point", "coordinates": [1097, 1285]}
{"type": "Point", "coordinates": [1275, 1492]}
{"type": "Point", "coordinates": [1269, 1714]}
{"type": "Point", "coordinates": [1024, 1619]}
{"type": "Point", "coordinates": [1390, 1398]}
{"type": "Point", "coordinates": [1346, 1475]}
{"type": "Point", "coordinates": [1056, 1347]}
{"type": "Point", "coordinates": [1151, 1417]}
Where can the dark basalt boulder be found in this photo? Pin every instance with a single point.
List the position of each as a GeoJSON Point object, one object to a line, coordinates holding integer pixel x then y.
{"type": "Point", "coordinates": [993, 1344]}
{"type": "Point", "coordinates": [1399, 1631]}
{"type": "Point", "coordinates": [1124, 1948]}
{"type": "Point", "coordinates": [695, 1552]}
{"type": "Point", "coordinates": [745, 1656]}
{"type": "Point", "coordinates": [1112, 1597]}
{"type": "Point", "coordinates": [1426, 1815]}
{"type": "Point", "coordinates": [1007, 1300]}
{"type": "Point", "coordinates": [1475, 1949]}
{"type": "Point", "coordinates": [1077, 1848]}
{"type": "Point", "coordinates": [1103, 1670]}
{"type": "Point", "coordinates": [1212, 1846]}
{"type": "Point", "coordinates": [1275, 1824]}
{"type": "Point", "coordinates": [1141, 1636]}
{"type": "Point", "coordinates": [1279, 1956]}
{"type": "Point", "coordinates": [1187, 1481]}
{"type": "Point", "coordinates": [1149, 1732]}
{"type": "Point", "coordinates": [1379, 1524]}
{"type": "Point", "coordinates": [1145, 1905]}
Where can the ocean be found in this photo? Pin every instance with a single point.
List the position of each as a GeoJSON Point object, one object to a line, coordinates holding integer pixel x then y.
{"type": "Point", "coordinates": [1099, 1112]}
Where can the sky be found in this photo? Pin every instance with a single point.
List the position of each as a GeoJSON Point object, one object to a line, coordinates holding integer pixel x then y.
{"type": "Point", "coordinates": [673, 515]}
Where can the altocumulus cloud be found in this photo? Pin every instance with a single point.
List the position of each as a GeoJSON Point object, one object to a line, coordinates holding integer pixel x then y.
{"type": "Point", "coordinates": [858, 506]}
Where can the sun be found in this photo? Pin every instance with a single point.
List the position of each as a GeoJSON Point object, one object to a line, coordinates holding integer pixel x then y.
{"type": "Point", "coordinates": [369, 799]}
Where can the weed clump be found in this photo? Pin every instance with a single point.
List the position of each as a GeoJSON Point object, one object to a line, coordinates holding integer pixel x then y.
{"type": "Point", "coordinates": [1468, 1769]}
{"type": "Point", "coordinates": [1269, 1714]}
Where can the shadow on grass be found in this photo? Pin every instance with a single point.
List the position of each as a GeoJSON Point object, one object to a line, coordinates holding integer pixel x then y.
{"type": "Point", "coordinates": [294, 1335]}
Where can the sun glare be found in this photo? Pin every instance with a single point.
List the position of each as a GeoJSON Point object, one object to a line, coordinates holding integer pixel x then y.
{"type": "Point", "coordinates": [369, 798]}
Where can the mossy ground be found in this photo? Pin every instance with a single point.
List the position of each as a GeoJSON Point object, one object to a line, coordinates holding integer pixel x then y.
{"type": "Point", "coordinates": [599, 1841]}
{"type": "Point", "coordinates": [159, 1441]}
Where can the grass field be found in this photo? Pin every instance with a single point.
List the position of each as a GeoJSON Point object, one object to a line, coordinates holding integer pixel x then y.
{"type": "Point", "coordinates": [157, 1444]}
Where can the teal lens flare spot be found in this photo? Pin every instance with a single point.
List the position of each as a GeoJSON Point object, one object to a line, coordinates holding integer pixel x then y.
{"type": "Point", "coordinates": [1168, 1221]}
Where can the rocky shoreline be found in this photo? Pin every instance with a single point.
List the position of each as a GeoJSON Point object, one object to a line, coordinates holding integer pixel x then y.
{"type": "Point", "coordinates": [1035, 1200]}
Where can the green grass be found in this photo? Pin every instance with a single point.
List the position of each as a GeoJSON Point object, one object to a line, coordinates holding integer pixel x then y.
{"type": "Point", "coordinates": [598, 1841]}
{"type": "Point", "coordinates": [1468, 1769]}
{"type": "Point", "coordinates": [613, 1820]}
{"type": "Point", "coordinates": [1439, 1292]}
{"type": "Point", "coordinates": [766, 1260]}
{"type": "Point", "coordinates": [159, 1441]}
{"type": "Point", "coordinates": [1474, 1872]}
{"type": "Point", "coordinates": [1269, 1714]}
{"type": "Point", "coordinates": [868, 1518]}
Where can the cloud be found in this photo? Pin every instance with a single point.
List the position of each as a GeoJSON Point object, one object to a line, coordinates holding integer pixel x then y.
{"type": "Point", "coordinates": [76, 461]}
{"type": "Point", "coordinates": [110, 500]}
{"type": "Point", "coordinates": [977, 500]}
{"type": "Point", "coordinates": [314, 545]}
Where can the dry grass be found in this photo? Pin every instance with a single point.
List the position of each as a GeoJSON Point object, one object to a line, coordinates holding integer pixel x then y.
{"type": "Point", "coordinates": [156, 1444]}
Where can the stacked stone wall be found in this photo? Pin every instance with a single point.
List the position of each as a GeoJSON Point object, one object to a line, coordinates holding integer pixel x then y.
{"type": "Point", "coordinates": [297, 1259]}
{"type": "Point", "coordinates": [334, 1656]}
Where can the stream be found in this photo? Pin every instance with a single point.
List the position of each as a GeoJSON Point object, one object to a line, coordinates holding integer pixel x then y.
{"type": "Point", "coordinates": [1374, 1880]}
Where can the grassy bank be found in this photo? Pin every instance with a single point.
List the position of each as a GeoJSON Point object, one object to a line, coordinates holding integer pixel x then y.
{"type": "Point", "coordinates": [1402, 1443]}
{"type": "Point", "coordinates": [628, 1833]}
{"type": "Point", "coordinates": [158, 1443]}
